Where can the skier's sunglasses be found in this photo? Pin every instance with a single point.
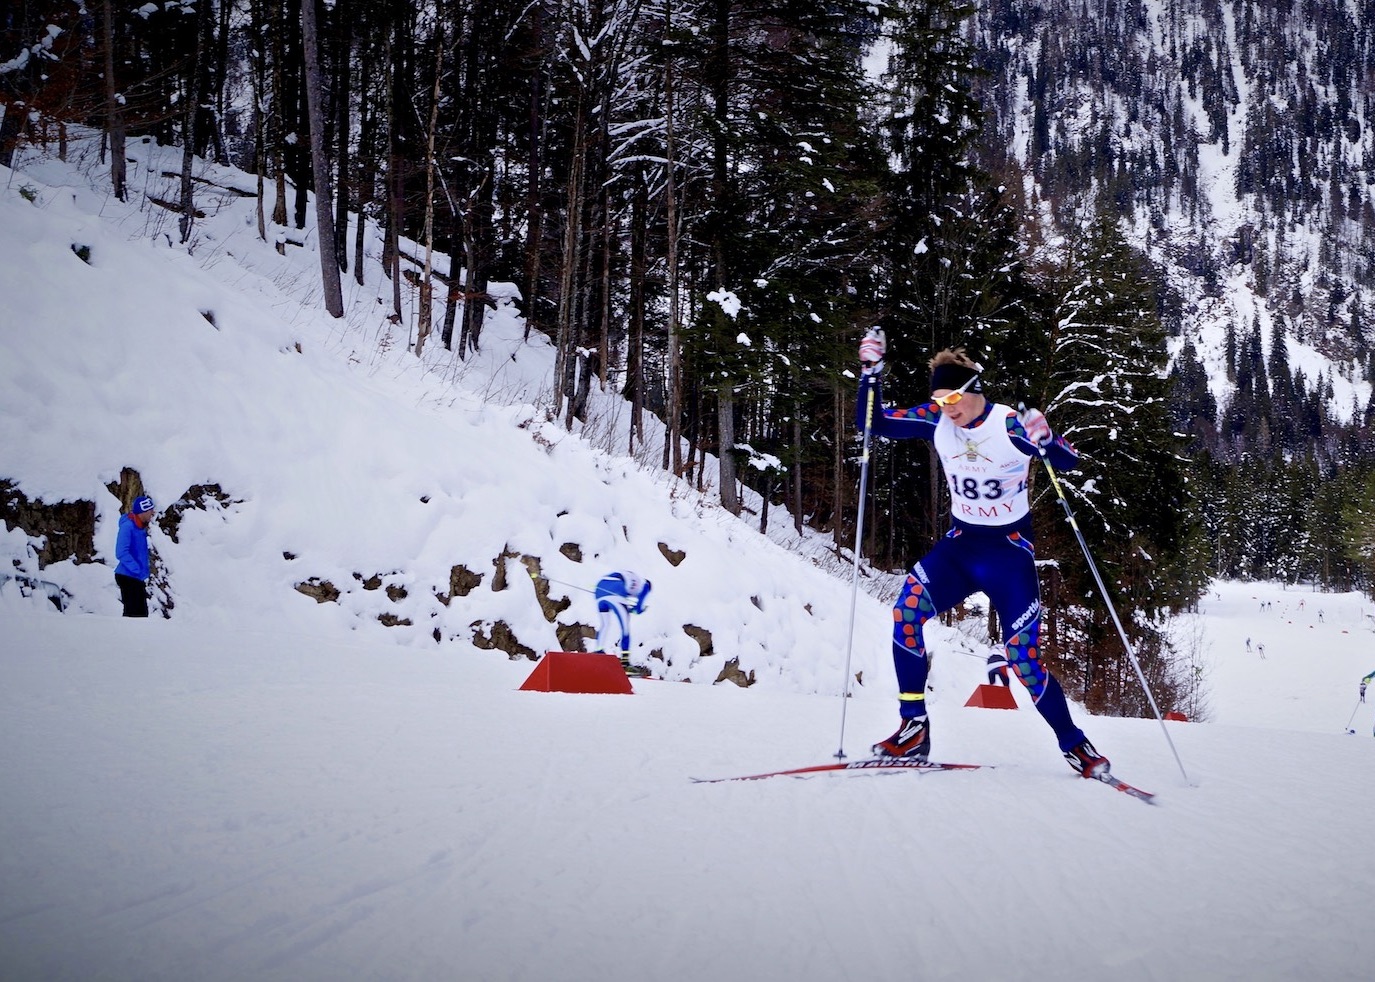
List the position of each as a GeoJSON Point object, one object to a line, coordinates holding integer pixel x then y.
{"type": "Point", "coordinates": [955, 396]}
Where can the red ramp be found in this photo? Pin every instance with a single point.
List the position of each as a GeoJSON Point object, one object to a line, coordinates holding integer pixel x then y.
{"type": "Point", "coordinates": [578, 671]}
{"type": "Point", "coordinates": [992, 697]}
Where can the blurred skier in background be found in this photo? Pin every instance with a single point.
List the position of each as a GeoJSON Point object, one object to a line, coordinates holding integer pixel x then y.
{"type": "Point", "coordinates": [997, 667]}
{"type": "Point", "coordinates": [620, 595]}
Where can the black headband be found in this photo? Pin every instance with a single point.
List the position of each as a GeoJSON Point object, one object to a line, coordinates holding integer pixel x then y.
{"type": "Point", "coordinates": [950, 375]}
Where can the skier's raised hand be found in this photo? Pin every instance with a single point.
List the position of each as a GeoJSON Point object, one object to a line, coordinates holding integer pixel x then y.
{"type": "Point", "coordinates": [871, 351]}
{"type": "Point", "coordinates": [1037, 429]}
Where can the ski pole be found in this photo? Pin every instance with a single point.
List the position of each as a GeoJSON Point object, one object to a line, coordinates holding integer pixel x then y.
{"type": "Point", "coordinates": [550, 579]}
{"type": "Point", "coordinates": [854, 585]}
{"type": "Point", "coordinates": [1102, 588]}
{"type": "Point", "coordinates": [1353, 716]}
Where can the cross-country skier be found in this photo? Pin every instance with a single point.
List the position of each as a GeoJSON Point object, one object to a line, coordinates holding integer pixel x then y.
{"type": "Point", "coordinates": [986, 451]}
{"type": "Point", "coordinates": [619, 595]}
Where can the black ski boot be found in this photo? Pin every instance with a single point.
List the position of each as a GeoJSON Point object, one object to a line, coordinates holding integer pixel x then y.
{"type": "Point", "coordinates": [913, 739]}
{"type": "Point", "coordinates": [1087, 761]}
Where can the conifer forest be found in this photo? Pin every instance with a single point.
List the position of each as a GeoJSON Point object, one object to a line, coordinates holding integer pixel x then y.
{"type": "Point", "coordinates": [1156, 222]}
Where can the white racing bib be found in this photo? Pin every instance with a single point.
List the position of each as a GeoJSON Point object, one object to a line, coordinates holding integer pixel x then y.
{"type": "Point", "coordinates": [986, 474]}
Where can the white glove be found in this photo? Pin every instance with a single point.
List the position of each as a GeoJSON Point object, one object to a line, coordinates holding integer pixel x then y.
{"type": "Point", "coordinates": [1037, 429]}
{"type": "Point", "coordinates": [637, 590]}
{"type": "Point", "coordinates": [871, 351]}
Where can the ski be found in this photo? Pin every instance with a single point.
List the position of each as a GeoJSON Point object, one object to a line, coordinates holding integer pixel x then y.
{"type": "Point", "coordinates": [890, 764]}
{"type": "Point", "coordinates": [868, 764]}
{"type": "Point", "coordinates": [1125, 788]}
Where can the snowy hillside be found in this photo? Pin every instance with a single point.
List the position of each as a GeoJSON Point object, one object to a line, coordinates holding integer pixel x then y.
{"type": "Point", "coordinates": [420, 495]}
{"type": "Point", "coordinates": [266, 787]}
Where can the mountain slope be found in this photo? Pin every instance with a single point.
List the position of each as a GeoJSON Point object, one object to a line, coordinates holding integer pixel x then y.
{"type": "Point", "coordinates": [413, 497]}
{"type": "Point", "coordinates": [1232, 136]}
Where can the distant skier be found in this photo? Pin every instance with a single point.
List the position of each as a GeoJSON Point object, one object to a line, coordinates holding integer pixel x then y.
{"type": "Point", "coordinates": [131, 555]}
{"type": "Point", "coordinates": [619, 595]}
{"type": "Point", "coordinates": [997, 668]}
{"type": "Point", "coordinates": [986, 451]}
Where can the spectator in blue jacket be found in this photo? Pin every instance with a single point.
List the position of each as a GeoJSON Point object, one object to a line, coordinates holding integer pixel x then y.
{"type": "Point", "coordinates": [131, 554]}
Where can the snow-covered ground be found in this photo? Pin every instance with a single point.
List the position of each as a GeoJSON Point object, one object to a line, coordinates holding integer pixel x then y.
{"type": "Point", "coordinates": [262, 787]}
{"type": "Point", "coordinates": [253, 803]}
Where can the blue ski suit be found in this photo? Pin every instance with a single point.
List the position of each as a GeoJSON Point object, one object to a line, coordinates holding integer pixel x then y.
{"type": "Point", "coordinates": [619, 595]}
{"type": "Point", "coordinates": [977, 554]}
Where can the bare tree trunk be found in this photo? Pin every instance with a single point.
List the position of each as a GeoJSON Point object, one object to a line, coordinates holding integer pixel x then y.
{"type": "Point", "coordinates": [324, 209]}
{"type": "Point", "coordinates": [343, 74]}
{"type": "Point", "coordinates": [453, 296]}
{"type": "Point", "coordinates": [725, 427]}
{"type": "Point", "coordinates": [257, 17]}
{"type": "Point", "coordinates": [213, 70]}
{"type": "Point", "coordinates": [391, 243]}
{"type": "Point", "coordinates": [673, 409]}
{"type": "Point", "coordinates": [477, 242]}
{"type": "Point", "coordinates": [534, 202]}
{"type": "Point", "coordinates": [609, 230]}
{"type": "Point", "coordinates": [426, 314]}
{"type": "Point", "coordinates": [188, 134]}
{"type": "Point", "coordinates": [451, 304]}
{"type": "Point", "coordinates": [114, 115]}
{"type": "Point", "coordinates": [220, 87]}
{"type": "Point", "coordinates": [367, 178]}
{"type": "Point", "coordinates": [697, 445]}
{"type": "Point", "coordinates": [298, 160]}
{"type": "Point", "coordinates": [277, 123]}
{"type": "Point", "coordinates": [635, 329]}
{"type": "Point", "coordinates": [572, 242]}
{"type": "Point", "coordinates": [719, 71]}
{"type": "Point", "coordinates": [11, 130]}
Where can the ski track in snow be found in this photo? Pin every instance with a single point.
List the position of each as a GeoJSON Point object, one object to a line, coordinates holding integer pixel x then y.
{"type": "Point", "coordinates": [187, 807]}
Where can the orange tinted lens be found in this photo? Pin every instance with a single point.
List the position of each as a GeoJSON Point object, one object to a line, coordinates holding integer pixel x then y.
{"type": "Point", "coordinates": [949, 400]}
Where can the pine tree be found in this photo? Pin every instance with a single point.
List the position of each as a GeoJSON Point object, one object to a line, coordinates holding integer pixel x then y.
{"type": "Point", "coordinates": [1108, 394]}
{"type": "Point", "coordinates": [781, 207]}
{"type": "Point", "coordinates": [948, 239]}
